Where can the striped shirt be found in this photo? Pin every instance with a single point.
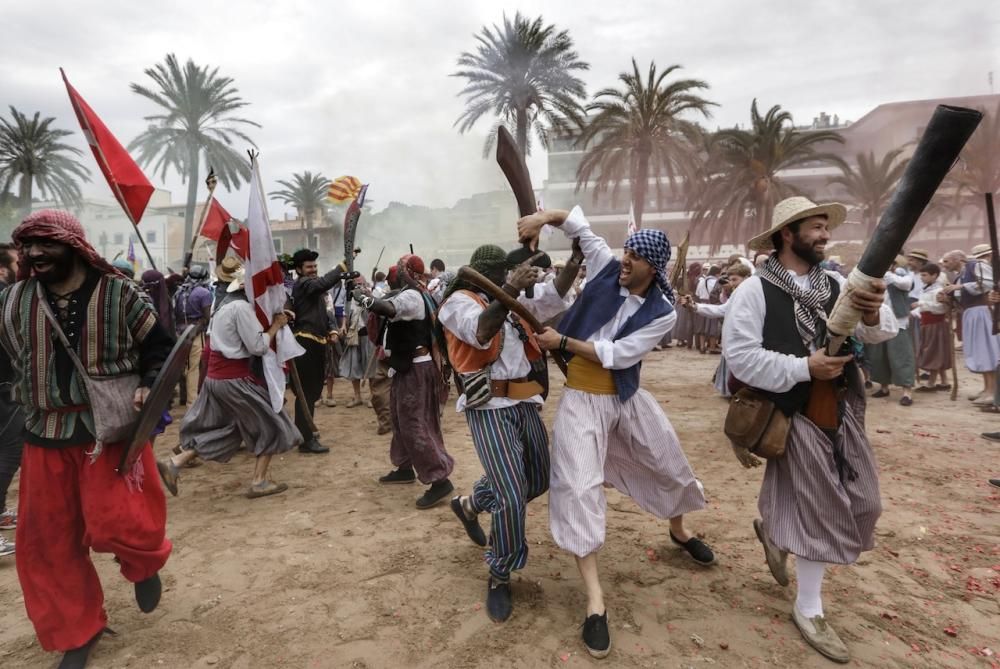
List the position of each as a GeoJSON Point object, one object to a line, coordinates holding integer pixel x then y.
{"type": "Point", "coordinates": [116, 321]}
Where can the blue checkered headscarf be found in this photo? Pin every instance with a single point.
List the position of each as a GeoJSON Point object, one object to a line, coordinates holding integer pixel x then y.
{"type": "Point", "coordinates": [653, 247]}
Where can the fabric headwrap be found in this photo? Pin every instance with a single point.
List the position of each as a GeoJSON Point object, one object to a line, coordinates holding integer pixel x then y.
{"type": "Point", "coordinates": [59, 226]}
{"type": "Point", "coordinates": [156, 285]}
{"type": "Point", "coordinates": [653, 247]}
{"type": "Point", "coordinates": [486, 260]}
{"type": "Point", "coordinates": [808, 303]}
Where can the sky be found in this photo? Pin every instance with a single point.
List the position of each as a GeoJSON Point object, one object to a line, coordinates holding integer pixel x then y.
{"type": "Point", "coordinates": [364, 88]}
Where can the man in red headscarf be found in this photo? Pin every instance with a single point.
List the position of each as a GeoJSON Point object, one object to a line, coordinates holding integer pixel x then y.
{"type": "Point", "coordinates": [72, 500]}
{"type": "Point", "coordinates": [417, 384]}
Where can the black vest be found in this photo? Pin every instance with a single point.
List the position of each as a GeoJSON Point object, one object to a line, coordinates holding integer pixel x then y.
{"type": "Point", "coordinates": [782, 336]}
{"type": "Point", "coordinates": [403, 338]}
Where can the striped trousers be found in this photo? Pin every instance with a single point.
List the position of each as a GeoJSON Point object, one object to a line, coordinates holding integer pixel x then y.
{"type": "Point", "coordinates": [513, 447]}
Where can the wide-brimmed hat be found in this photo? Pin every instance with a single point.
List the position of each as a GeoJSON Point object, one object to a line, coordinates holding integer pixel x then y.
{"type": "Point", "coordinates": [239, 278]}
{"type": "Point", "coordinates": [303, 256]}
{"type": "Point", "coordinates": [919, 254]}
{"type": "Point", "coordinates": [227, 269]}
{"type": "Point", "coordinates": [980, 251]}
{"type": "Point", "coordinates": [794, 209]}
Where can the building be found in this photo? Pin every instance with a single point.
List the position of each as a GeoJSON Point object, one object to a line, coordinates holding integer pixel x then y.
{"type": "Point", "coordinates": [886, 127]}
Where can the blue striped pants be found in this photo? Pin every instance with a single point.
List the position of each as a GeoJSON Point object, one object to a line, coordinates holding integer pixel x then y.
{"type": "Point", "coordinates": [513, 447]}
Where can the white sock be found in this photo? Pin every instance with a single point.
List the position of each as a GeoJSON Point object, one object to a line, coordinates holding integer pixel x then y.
{"type": "Point", "coordinates": [810, 582]}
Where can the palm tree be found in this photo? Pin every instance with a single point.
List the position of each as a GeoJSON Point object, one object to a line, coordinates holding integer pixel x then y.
{"type": "Point", "coordinates": [523, 72]}
{"type": "Point", "coordinates": [870, 185]}
{"type": "Point", "coordinates": [31, 150]}
{"type": "Point", "coordinates": [977, 170]}
{"type": "Point", "coordinates": [740, 181]}
{"type": "Point", "coordinates": [195, 124]}
{"type": "Point", "coordinates": [639, 132]}
{"type": "Point", "coordinates": [306, 192]}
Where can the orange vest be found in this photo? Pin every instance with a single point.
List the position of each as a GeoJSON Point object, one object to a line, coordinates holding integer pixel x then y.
{"type": "Point", "coordinates": [466, 358]}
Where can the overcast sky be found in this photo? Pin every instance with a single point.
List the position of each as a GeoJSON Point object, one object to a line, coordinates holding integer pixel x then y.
{"type": "Point", "coordinates": [362, 88]}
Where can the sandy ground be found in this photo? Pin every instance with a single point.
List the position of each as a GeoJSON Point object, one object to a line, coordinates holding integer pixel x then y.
{"type": "Point", "coordinates": [340, 572]}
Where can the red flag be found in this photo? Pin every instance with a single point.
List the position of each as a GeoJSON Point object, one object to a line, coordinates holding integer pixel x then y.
{"type": "Point", "coordinates": [215, 221]}
{"type": "Point", "coordinates": [130, 186]}
{"type": "Point", "coordinates": [239, 241]}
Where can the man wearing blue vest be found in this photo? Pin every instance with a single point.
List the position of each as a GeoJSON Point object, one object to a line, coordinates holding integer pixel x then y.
{"type": "Point", "coordinates": [607, 429]}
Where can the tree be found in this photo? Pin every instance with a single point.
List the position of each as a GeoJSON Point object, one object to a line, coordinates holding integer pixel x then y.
{"type": "Point", "coordinates": [740, 180]}
{"type": "Point", "coordinates": [307, 193]}
{"type": "Point", "coordinates": [523, 72]}
{"type": "Point", "coordinates": [977, 170]}
{"type": "Point", "coordinates": [195, 124]}
{"type": "Point", "coordinates": [870, 185]}
{"type": "Point", "coordinates": [33, 153]}
{"type": "Point", "coordinates": [639, 132]}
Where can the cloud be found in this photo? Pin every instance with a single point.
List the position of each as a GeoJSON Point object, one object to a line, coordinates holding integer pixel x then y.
{"type": "Point", "coordinates": [363, 88]}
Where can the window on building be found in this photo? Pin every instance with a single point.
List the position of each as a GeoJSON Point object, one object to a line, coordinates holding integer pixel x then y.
{"type": "Point", "coordinates": [151, 236]}
{"type": "Point", "coordinates": [315, 243]}
{"type": "Point", "coordinates": [119, 238]}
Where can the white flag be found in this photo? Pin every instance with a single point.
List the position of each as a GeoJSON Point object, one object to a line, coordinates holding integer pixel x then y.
{"type": "Point", "coordinates": [631, 221]}
{"type": "Point", "coordinates": [265, 287]}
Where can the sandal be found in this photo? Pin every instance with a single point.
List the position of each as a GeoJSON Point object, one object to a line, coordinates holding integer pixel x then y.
{"type": "Point", "coordinates": [265, 488]}
{"type": "Point", "coordinates": [169, 474]}
{"type": "Point", "coordinates": [881, 392]}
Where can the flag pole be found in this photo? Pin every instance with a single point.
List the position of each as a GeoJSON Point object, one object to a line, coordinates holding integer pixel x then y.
{"type": "Point", "coordinates": [104, 161]}
{"type": "Point", "coordinates": [211, 182]}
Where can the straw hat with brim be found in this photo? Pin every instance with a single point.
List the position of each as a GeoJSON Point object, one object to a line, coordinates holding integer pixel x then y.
{"type": "Point", "coordinates": [239, 278]}
{"type": "Point", "coordinates": [919, 254]}
{"type": "Point", "coordinates": [227, 269]}
{"type": "Point", "coordinates": [794, 209]}
{"type": "Point", "coordinates": [980, 251]}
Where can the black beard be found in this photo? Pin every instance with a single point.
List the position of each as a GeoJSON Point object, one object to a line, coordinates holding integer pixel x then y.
{"type": "Point", "coordinates": [806, 252]}
{"type": "Point", "coordinates": [61, 264]}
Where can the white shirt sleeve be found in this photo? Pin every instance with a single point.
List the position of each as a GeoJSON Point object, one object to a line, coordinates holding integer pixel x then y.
{"type": "Point", "coordinates": [409, 306]}
{"type": "Point", "coordinates": [460, 316]}
{"type": "Point", "coordinates": [985, 283]}
{"type": "Point", "coordinates": [743, 337]}
{"type": "Point", "coordinates": [596, 251]}
{"type": "Point", "coordinates": [627, 351]}
{"type": "Point", "coordinates": [887, 327]}
{"type": "Point", "coordinates": [928, 300]}
{"type": "Point", "coordinates": [545, 302]}
{"type": "Point", "coordinates": [712, 310]}
{"type": "Point", "coordinates": [904, 282]}
{"type": "Point", "coordinates": [251, 332]}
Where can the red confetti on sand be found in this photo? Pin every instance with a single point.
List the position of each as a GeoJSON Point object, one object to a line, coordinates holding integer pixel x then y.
{"type": "Point", "coordinates": [951, 631]}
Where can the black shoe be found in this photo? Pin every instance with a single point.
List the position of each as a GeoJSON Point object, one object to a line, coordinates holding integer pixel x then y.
{"type": "Point", "coordinates": [995, 483]}
{"type": "Point", "coordinates": [923, 376]}
{"type": "Point", "coordinates": [472, 527]}
{"type": "Point", "coordinates": [399, 476]}
{"type": "Point", "coordinates": [77, 658]}
{"type": "Point", "coordinates": [147, 593]}
{"type": "Point", "coordinates": [906, 401]}
{"type": "Point", "coordinates": [697, 549]}
{"type": "Point", "coordinates": [499, 604]}
{"type": "Point", "coordinates": [437, 492]}
{"type": "Point", "coordinates": [313, 446]}
{"type": "Point", "coordinates": [595, 635]}
{"type": "Point", "coordinates": [881, 392]}
{"type": "Point", "coordinates": [992, 436]}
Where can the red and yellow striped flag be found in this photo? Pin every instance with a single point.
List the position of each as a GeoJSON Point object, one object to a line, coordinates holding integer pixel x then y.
{"type": "Point", "coordinates": [344, 189]}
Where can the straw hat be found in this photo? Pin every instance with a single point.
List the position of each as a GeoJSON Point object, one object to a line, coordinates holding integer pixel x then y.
{"type": "Point", "coordinates": [919, 254]}
{"type": "Point", "coordinates": [980, 251]}
{"type": "Point", "coordinates": [239, 278]}
{"type": "Point", "coordinates": [227, 269]}
{"type": "Point", "coordinates": [794, 209]}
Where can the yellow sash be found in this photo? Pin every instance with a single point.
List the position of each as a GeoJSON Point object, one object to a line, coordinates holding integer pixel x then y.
{"type": "Point", "coordinates": [590, 377]}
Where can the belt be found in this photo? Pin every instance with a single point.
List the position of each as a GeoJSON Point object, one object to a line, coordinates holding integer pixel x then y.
{"type": "Point", "coordinates": [515, 389]}
{"type": "Point", "coordinates": [309, 335]}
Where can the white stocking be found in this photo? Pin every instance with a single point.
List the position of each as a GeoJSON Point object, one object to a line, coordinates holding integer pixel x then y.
{"type": "Point", "coordinates": [810, 581]}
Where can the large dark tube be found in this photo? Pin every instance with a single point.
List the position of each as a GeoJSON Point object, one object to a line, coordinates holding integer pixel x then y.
{"type": "Point", "coordinates": [948, 131]}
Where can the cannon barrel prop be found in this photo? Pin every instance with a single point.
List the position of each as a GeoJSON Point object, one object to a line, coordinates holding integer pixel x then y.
{"type": "Point", "coordinates": [946, 134]}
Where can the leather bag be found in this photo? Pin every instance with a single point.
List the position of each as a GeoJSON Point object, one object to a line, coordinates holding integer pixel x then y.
{"type": "Point", "coordinates": [756, 424]}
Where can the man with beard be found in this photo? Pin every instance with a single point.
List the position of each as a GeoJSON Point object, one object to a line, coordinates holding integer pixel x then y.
{"type": "Point", "coordinates": [607, 429]}
{"type": "Point", "coordinates": [488, 345]}
{"type": "Point", "coordinates": [417, 448]}
{"type": "Point", "coordinates": [311, 331]}
{"type": "Point", "coordinates": [820, 500]}
{"type": "Point", "coordinates": [72, 500]}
